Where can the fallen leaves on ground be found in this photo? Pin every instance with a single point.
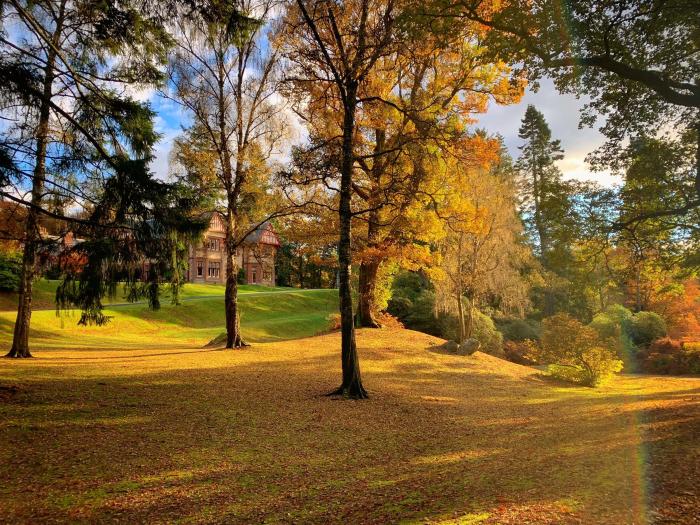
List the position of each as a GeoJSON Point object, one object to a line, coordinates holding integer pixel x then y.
{"type": "Point", "coordinates": [246, 436]}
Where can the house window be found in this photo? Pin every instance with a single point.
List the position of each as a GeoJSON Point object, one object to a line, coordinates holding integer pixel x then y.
{"type": "Point", "coordinates": [200, 268]}
{"type": "Point", "coordinates": [213, 244]}
{"type": "Point", "coordinates": [214, 269]}
{"type": "Point", "coordinates": [255, 277]}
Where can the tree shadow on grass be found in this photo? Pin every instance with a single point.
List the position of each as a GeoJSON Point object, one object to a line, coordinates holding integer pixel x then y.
{"type": "Point", "coordinates": [228, 440]}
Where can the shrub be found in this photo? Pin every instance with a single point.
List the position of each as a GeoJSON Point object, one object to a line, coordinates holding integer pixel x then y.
{"type": "Point", "coordinates": [578, 352]}
{"type": "Point", "coordinates": [519, 329]}
{"type": "Point", "coordinates": [518, 352]}
{"type": "Point", "coordinates": [485, 332]}
{"type": "Point", "coordinates": [644, 327]}
{"type": "Point", "coordinates": [400, 307]}
{"type": "Point", "coordinates": [609, 323]}
{"type": "Point", "coordinates": [413, 303]}
{"type": "Point", "coordinates": [690, 362]}
{"type": "Point", "coordinates": [422, 315]}
{"type": "Point", "coordinates": [334, 321]}
{"type": "Point", "coordinates": [10, 263]}
{"type": "Point", "coordinates": [669, 356]}
{"type": "Point", "coordinates": [666, 345]}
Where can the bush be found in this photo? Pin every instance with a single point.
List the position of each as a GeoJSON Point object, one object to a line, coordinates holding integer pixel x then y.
{"type": "Point", "coordinates": [519, 329]}
{"type": "Point", "coordinates": [334, 322]}
{"type": "Point", "coordinates": [644, 327]}
{"type": "Point", "coordinates": [666, 345]}
{"type": "Point", "coordinates": [609, 323]}
{"type": "Point", "coordinates": [400, 307]}
{"type": "Point", "coordinates": [518, 352]}
{"type": "Point", "coordinates": [690, 362]}
{"type": "Point", "coordinates": [669, 356]}
{"type": "Point", "coordinates": [413, 303]}
{"type": "Point", "coordinates": [485, 332]}
{"type": "Point", "coordinates": [10, 264]}
{"type": "Point", "coordinates": [578, 352]}
{"type": "Point", "coordinates": [422, 317]}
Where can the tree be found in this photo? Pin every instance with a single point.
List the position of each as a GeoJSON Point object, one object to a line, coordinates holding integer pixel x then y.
{"type": "Point", "coordinates": [423, 100]}
{"type": "Point", "coordinates": [544, 195]}
{"type": "Point", "coordinates": [334, 47]}
{"type": "Point", "coordinates": [637, 60]}
{"type": "Point", "coordinates": [578, 352]}
{"type": "Point", "coordinates": [308, 255]}
{"type": "Point", "coordinates": [482, 252]}
{"type": "Point", "coordinates": [546, 203]}
{"type": "Point", "coordinates": [225, 77]}
{"type": "Point", "coordinates": [72, 132]}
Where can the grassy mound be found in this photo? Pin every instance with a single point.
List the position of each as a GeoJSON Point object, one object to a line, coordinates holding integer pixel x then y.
{"type": "Point", "coordinates": [267, 315]}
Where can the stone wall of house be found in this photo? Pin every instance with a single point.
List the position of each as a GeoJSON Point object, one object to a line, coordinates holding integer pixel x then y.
{"type": "Point", "coordinates": [207, 260]}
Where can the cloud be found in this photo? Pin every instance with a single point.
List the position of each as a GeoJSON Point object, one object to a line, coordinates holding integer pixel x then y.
{"type": "Point", "coordinates": [562, 114]}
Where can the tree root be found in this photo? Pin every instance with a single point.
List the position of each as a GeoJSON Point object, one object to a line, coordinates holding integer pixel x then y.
{"type": "Point", "coordinates": [353, 392]}
{"type": "Point", "coordinates": [18, 354]}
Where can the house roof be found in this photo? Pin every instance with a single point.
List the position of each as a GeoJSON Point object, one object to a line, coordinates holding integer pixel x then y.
{"type": "Point", "coordinates": [263, 234]}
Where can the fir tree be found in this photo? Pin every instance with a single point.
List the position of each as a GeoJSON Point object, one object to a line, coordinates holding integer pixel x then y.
{"type": "Point", "coordinates": [72, 133]}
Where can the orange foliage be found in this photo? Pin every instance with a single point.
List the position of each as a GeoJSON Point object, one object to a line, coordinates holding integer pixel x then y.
{"type": "Point", "coordinates": [681, 308]}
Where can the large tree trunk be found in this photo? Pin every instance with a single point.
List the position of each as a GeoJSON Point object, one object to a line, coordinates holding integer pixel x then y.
{"type": "Point", "coordinates": [369, 268]}
{"type": "Point", "coordinates": [352, 382]}
{"type": "Point", "coordinates": [20, 340]}
{"type": "Point", "coordinates": [366, 299]}
{"type": "Point", "coordinates": [233, 315]}
{"type": "Point", "coordinates": [697, 160]}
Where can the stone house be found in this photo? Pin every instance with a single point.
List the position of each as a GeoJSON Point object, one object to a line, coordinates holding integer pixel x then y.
{"type": "Point", "coordinates": [256, 256]}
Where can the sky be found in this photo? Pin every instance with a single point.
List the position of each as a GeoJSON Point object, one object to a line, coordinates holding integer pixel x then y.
{"type": "Point", "coordinates": [562, 114]}
{"type": "Point", "coordinates": [560, 111]}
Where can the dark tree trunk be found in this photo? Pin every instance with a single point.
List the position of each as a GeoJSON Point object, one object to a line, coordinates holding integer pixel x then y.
{"type": "Point", "coordinates": [20, 340]}
{"type": "Point", "coordinates": [352, 382]}
{"type": "Point", "coordinates": [233, 315]}
{"type": "Point", "coordinates": [366, 301]}
{"type": "Point", "coordinates": [697, 160]}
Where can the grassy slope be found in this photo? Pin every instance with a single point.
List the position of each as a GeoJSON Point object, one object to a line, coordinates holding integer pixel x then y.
{"type": "Point", "coordinates": [186, 435]}
{"type": "Point", "coordinates": [268, 315]}
{"type": "Point", "coordinates": [45, 292]}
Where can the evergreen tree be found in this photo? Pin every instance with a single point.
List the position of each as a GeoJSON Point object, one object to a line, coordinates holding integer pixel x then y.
{"type": "Point", "coordinates": [72, 133]}
{"type": "Point", "coordinates": [546, 207]}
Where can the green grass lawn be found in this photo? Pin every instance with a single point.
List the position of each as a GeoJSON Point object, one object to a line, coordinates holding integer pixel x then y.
{"type": "Point", "coordinates": [268, 314]}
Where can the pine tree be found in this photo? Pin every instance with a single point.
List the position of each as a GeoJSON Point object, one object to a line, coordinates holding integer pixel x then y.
{"type": "Point", "coordinates": [546, 202]}
{"type": "Point", "coordinates": [72, 133]}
